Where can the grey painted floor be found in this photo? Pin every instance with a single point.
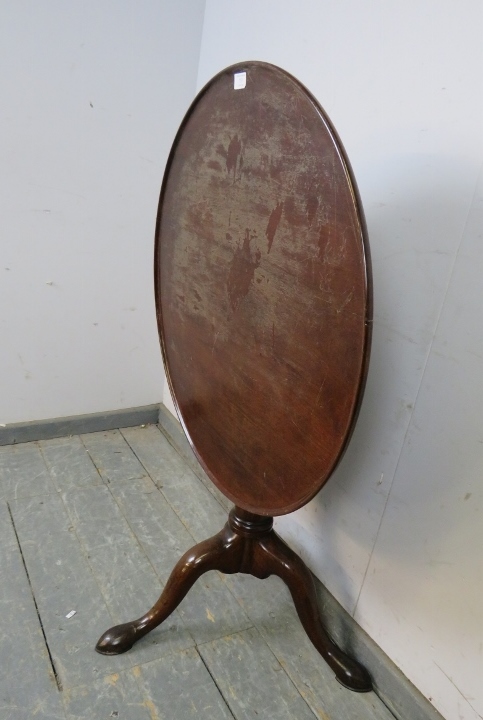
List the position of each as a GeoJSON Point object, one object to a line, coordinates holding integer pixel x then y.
{"type": "Point", "coordinates": [94, 524]}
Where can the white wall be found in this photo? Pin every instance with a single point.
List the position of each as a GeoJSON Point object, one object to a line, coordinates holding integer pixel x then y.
{"type": "Point", "coordinates": [92, 94]}
{"type": "Point", "coordinates": [397, 534]}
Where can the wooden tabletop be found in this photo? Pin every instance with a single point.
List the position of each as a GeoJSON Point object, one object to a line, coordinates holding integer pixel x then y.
{"type": "Point", "coordinates": [263, 288]}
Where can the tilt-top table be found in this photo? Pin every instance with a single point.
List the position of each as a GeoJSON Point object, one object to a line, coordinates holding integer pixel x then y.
{"type": "Point", "coordinates": [264, 306]}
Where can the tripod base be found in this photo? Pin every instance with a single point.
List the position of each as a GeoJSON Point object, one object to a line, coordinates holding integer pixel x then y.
{"type": "Point", "coordinates": [247, 544]}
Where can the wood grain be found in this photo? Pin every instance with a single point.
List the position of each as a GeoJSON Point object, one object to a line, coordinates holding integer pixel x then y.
{"type": "Point", "coordinates": [263, 289]}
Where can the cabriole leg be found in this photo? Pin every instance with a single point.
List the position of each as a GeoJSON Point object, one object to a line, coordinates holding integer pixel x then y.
{"type": "Point", "coordinates": [217, 553]}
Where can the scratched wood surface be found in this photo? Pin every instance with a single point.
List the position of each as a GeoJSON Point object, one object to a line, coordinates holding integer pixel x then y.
{"type": "Point", "coordinates": [263, 288]}
{"type": "Point", "coordinates": [77, 532]}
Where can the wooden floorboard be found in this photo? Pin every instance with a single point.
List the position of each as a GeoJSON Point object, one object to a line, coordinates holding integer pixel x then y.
{"type": "Point", "coordinates": [94, 524]}
{"type": "Point", "coordinates": [23, 472]}
{"type": "Point", "coordinates": [27, 682]}
{"type": "Point", "coordinates": [252, 679]}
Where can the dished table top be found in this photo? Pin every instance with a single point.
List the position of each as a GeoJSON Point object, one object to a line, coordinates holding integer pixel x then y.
{"type": "Point", "coordinates": [263, 288]}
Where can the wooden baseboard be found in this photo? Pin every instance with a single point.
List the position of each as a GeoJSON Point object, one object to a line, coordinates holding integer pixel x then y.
{"type": "Point", "coordinates": [59, 427]}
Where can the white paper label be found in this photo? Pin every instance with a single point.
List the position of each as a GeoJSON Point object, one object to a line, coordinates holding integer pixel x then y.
{"type": "Point", "coordinates": [240, 80]}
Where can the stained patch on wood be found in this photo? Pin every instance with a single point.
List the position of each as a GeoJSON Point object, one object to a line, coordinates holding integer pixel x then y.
{"type": "Point", "coordinates": [232, 155]}
{"type": "Point", "coordinates": [242, 271]}
{"type": "Point", "coordinates": [311, 207]}
{"type": "Point", "coordinates": [273, 223]}
{"type": "Point", "coordinates": [214, 165]}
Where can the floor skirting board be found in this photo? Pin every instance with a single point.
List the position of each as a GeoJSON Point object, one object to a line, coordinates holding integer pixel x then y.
{"type": "Point", "coordinates": [395, 690]}
{"type": "Point", "coordinates": [78, 424]}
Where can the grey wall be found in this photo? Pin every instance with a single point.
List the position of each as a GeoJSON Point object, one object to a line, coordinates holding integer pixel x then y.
{"type": "Point", "coordinates": [92, 94]}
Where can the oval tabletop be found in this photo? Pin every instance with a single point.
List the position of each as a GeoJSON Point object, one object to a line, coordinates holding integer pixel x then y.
{"type": "Point", "coordinates": [263, 288]}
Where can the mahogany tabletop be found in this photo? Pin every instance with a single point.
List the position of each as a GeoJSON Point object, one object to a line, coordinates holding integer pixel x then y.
{"type": "Point", "coordinates": [263, 288]}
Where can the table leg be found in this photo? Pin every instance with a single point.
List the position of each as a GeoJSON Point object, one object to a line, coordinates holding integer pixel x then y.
{"type": "Point", "coordinates": [217, 553]}
{"type": "Point", "coordinates": [249, 545]}
{"type": "Point", "coordinates": [274, 557]}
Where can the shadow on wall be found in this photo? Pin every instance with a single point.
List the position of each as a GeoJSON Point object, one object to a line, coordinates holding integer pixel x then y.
{"type": "Point", "coordinates": [416, 215]}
